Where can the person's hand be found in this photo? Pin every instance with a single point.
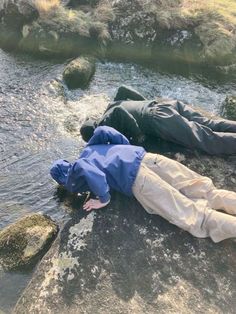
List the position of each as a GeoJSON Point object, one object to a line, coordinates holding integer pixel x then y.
{"type": "Point", "coordinates": [94, 204]}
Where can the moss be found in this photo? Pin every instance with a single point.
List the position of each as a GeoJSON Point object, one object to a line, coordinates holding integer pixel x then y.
{"type": "Point", "coordinates": [214, 36]}
{"type": "Point", "coordinates": [24, 240]}
{"type": "Point", "coordinates": [88, 26]}
{"type": "Point", "coordinates": [65, 32]}
{"type": "Point", "coordinates": [229, 108]}
{"type": "Point", "coordinates": [45, 7]}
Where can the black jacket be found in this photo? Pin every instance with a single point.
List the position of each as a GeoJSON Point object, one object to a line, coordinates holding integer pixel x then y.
{"type": "Point", "coordinates": [129, 117]}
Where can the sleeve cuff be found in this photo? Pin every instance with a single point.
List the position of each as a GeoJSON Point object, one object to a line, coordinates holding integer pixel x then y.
{"type": "Point", "coordinates": [105, 198]}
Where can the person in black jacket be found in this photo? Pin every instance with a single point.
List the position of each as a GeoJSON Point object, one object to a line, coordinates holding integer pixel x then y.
{"type": "Point", "coordinates": [171, 120]}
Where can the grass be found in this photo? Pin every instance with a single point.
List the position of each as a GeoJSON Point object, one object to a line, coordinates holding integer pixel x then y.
{"type": "Point", "coordinates": [104, 12]}
{"type": "Point", "coordinates": [45, 7]}
{"type": "Point", "coordinates": [225, 9]}
{"type": "Point", "coordinates": [213, 21]}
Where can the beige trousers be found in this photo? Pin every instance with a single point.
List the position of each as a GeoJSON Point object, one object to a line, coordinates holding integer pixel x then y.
{"type": "Point", "coordinates": [186, 199]}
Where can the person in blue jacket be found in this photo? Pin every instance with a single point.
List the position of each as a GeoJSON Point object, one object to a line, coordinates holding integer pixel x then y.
{"type": "Point", "coordinates": [162, 186]}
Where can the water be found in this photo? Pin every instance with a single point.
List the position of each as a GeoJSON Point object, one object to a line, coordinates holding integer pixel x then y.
{"type": "Point", "coordinates": [35, 111]}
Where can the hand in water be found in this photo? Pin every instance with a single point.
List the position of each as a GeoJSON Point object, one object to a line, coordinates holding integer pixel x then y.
{"type": "Point", "coordinates": [94, 204]}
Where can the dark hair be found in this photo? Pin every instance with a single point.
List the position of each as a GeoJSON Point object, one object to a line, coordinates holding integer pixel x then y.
{"type": "Point", "coordinates": [87, 129]}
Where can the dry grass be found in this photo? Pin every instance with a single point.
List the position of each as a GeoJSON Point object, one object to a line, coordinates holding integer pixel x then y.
{"type": "Point", "coordinates": [213, 21]}
{"type": "Point", "coordinates": [176, 13]}
{"type": "Point", "coordinates": [46, 7]}
{"type": "Point", "coordinates": [226, 9]}
{"type": "Point", "coordinates": [104, 12]}
{"type": "Point", "coordinates": [216, 25]}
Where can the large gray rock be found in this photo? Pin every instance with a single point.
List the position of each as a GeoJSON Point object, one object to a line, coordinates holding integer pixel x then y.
{"type": "Point", "coordinates": [79, 72]}
{"type": "Point", "coordinates": [22, 242]}
{"type": "Point", "coordinates": [122, 260]}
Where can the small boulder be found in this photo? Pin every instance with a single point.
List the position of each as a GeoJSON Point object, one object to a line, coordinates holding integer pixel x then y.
{"type": "Point", "coordinates": [22, 242]}
{"type": "Point", "coordinates": [229, 108]}
{"type": "Point", "coordinates": [79, 72]}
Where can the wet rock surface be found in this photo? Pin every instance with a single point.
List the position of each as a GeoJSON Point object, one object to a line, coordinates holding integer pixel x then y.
{"type": "Point", "coordinates": [122, 258]}
{"type": "Point", "coordinates": [79, 72]}
{"type": "Point", "coordinates": [22, 242]}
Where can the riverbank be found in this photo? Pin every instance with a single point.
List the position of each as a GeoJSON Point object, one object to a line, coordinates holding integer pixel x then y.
{"type": "Point", "coordinates": [174, 31]}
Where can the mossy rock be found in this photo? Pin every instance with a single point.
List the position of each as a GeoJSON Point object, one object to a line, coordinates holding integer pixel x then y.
{"type": "Point", "coordinates": [79, 72]}
{"type": "Point", "coordinates": [22, 242]}
{"type": "Point", "coordinates": [229, 107]}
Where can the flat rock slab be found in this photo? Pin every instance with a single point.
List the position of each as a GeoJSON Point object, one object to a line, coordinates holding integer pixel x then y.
{"type": "Point", "coordinates": [23, 241]}
{"type": "Point", "coordinates": [122, 260]}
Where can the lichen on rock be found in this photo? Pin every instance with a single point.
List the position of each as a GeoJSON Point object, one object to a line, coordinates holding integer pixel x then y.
{"type": "Point", "coordinates": [229, 107]}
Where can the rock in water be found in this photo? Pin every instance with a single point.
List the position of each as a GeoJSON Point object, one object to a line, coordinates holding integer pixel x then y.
{"type": "Point", "coordinates": [229, 108]}
{"type": "Point", "coordinates": [79, 72]}
{"type": "Point", "coordinates": [23, 241]}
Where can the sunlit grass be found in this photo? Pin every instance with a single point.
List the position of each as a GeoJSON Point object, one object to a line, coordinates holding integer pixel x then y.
{"type": "Point", "coordinates": [46, 6]}
{"type": "Point", "coordinates": [212, 21]}
{"type": "Point", "coordinates": [216, 24]}
{"type": "Point", "coordinates": [71, 15]}
{"type": "Point", "coordinates": [225, 9]}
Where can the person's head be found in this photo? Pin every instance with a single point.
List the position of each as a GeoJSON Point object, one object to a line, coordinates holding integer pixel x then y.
{"type": "Point", "coordinates": [59, 171]}
{"type": "Point", "coordinates": [87, 129]}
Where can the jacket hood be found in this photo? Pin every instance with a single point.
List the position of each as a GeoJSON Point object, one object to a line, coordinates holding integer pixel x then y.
{"type": "Point", "coordinates": [87, 129]}
{"type": "Point", "coordinates": [59, 171]}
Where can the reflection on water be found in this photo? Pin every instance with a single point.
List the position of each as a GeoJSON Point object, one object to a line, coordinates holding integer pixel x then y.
{"type": "Point", "coordinates": [33, 110]}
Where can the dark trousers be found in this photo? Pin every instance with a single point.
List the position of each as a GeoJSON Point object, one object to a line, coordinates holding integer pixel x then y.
{"type": "Point", "coordinates": [179, 123]}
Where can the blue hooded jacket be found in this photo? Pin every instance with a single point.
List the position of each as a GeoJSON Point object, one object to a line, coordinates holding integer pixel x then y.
{"type": "Point", "coordinates": [108, 161]}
